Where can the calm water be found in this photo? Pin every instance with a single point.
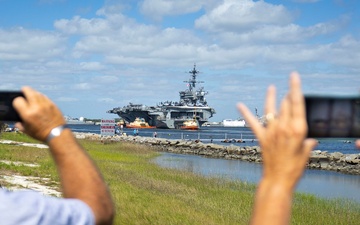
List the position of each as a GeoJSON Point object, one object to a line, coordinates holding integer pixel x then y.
{"type": "Point", "coordinates": [325, 184]}
{"type": "Point", "coordinates": [219, 134]}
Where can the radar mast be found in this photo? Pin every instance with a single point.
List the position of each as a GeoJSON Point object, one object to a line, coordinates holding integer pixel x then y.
{"type": "Point", "coordinates": [192, 81]}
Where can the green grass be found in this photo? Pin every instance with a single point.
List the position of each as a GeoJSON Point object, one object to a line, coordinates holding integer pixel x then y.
{"type": "Point", "coordinates": [152, 194]}
{"type": "Point", "coordinates": [28, 155]}
{"type": "Point", "coordinates": [145, 193]}
{"type": "Point", "coordinates": [21, 137]}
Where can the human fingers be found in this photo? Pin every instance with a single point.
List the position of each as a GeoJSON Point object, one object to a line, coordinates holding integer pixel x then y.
{"type": "Point", "coordinates": [285, 112]}
{"type": "Point", "coordinates": [309, 145]}
{"type": "Point", "coordinates": [20, 105]}
{"type": "Point", "coordinates": [358, 143]}
{"type": "Point", "coordinates": [251, 119]}
{"type": "Point", "coordinates": [31, 95]}
{"type": "Point", "coordinates": [270, 101]}
{"type": "Point", "coordinates": [293, 165]}
{"type": "Point", "coordinates": [19, 126]}
{"type": "Point", "coordinates": [39, 114]}
{"type": "Point", "coordinates": [296, 98]}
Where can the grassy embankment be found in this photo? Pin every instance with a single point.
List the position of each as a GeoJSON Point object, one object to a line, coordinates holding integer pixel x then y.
{"type": "Point", "coordinates": [147, 194]}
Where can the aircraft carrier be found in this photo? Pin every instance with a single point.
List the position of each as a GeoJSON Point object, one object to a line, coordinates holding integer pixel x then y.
{"type": "Point", "coordinates": [169, 114]}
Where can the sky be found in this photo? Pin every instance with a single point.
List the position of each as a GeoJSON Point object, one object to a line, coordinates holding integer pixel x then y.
{"type": "Point", "coordinates": [91, 56]}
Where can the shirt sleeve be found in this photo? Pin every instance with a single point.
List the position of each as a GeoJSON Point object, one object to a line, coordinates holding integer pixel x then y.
{"type": "Point", "coordinates": [30, 207]}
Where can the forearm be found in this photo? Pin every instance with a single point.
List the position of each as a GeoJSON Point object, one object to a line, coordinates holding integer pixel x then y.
{"type": "Point", "coordinates": [79, 176]}
{"type": "Point", "coordinates": [272, 203]}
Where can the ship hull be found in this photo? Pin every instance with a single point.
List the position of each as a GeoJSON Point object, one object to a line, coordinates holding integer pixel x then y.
{"type": "Point", "coordinates": [140, 127]}
{"type": "Point", "coordinates": [168, 117]}
{"type": "Point", "coordinates": [192, 127]}
{"type": "Point", "coordinates": [79, 123]}
{"type": "Point", "coordinates": [234, 123]}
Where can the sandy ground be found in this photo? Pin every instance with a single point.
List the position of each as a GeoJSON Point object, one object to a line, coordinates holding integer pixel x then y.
{"type": "Point", "coordinates": [23, 144]}
{"type": "Point", "coordinates": [16, 182]}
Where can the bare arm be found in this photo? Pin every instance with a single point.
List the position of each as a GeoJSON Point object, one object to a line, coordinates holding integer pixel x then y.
{"type": "Point", "coordinates": [285, 153]}
{"type": "Point", "coordinates": [79, 176]}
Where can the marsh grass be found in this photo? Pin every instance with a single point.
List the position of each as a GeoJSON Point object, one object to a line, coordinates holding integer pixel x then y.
{"type": "Point", "coordinates": [145, 193]}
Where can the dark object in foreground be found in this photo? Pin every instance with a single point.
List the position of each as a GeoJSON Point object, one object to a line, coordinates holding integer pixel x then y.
{"type": "Point", "coordinates": [7, 111]}
{"type": "Point", "coordinates": [329, 116]}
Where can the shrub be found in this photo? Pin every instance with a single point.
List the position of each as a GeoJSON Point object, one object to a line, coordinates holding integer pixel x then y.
{"type": "Point", "coordinates": [3, 126]}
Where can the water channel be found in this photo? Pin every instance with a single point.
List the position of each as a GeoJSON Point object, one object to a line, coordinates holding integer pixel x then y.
{"type": "Point", "coordinates": [324, 184]}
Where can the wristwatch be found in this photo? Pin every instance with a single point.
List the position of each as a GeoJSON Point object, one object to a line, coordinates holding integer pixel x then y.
{"type": "Point", "coordinates": [55, 132]}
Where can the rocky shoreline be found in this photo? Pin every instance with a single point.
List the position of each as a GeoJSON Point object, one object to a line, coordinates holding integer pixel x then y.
{"type": "Point", "coordinates": [321, 160]}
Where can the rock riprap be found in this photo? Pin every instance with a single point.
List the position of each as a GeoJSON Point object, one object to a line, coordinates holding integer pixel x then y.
{"type": "Point", "coordinates": [344, 163]}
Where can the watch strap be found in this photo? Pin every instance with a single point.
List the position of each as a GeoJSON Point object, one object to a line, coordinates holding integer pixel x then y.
{"type": "Point", "coordinates": [55, 132]}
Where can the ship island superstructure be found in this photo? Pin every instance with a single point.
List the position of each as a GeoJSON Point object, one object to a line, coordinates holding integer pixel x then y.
{"type": "Point", "coordinates": [169, 114]}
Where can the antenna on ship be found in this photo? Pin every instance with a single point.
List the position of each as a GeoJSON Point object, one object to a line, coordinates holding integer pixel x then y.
{"type": "Point", "coordinates": [192, 82]}
{"type": "Point", "coordinates": [256, 113]}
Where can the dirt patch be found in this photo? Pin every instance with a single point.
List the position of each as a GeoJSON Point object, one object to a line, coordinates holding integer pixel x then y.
{"type": "Point", "coordinates": [17, 182]}
{"type": "Point", "coordinates": [13, 181]}
{"type": "Point", "coordinates": [9, 142]}
{"type": "Point", "coordinates": [19, 163]}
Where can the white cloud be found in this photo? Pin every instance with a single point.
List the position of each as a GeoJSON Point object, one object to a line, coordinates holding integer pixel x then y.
{"type": "Point", "coordinates": [306, 1]}
{"type": "Point", "coordinates": [346, 53]}
{"type": "Point", "coordinates": [51, 1]}
{"type": "Point", "coordinates": [78, 25]}
{"type": "Point", "coordinates": [239, 15]}
{"type": "Point", "coordinates": [111, 80]}
{"type": "Point", "coordinates": [67, 99]}
{"type": "Point", "coordinates": [106, 100]}
{"type": "Point", "coordinates": [271, 34]}
{"type": "Point", "coordinates": [82, 86]}
{"type": "Point", "coordinates": [29, 45]}
{"type": "Point", "coordinates": [92, 66]}
{"type": "Point", "coordinates": [138, 44]}
{"type": "Point", "coordinates": [8, 86]}
{"type": "Point", "coordinates": [157, 9]}
{"type": "Point", "coordinates": [135, 43]}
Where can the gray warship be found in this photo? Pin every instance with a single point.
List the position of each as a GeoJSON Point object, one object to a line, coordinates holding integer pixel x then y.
{"type": "Point", "coordinates": [169, 114]}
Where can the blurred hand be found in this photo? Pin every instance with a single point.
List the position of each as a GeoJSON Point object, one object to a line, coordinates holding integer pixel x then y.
{"type": "Point", "coordinates": [38, 113]}
{"type": "Point", "coordinates": [358, 143]}
{"type": "Point", "coordinates": [285, 151]}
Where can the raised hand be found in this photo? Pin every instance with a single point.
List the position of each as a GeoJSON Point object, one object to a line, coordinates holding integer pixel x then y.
{"type": "Point", "coordinates": [285, 152]}
{"type": "Point", "coordinates": [38, 113]}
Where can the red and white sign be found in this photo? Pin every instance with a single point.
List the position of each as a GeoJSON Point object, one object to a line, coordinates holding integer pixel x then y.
{"type": "Point", "coordinates": [107, 127]}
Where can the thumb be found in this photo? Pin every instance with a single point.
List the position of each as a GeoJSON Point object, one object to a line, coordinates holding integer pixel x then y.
{"type": "Point", "coordinates": [19, 126]}
{"type": "Point", "coordinates": [358, 143]}
{"type": "Point", "coordinates": [19, 105]}
{"type": "Point", "coordinates": [310, 144]}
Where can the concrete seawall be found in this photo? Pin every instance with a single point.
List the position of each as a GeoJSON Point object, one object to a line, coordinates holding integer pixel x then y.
{"type": "Point", "coordinates": [322, 160]}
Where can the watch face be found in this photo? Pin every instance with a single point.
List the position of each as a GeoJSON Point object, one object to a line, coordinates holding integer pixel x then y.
{"type": "Point", "coordinates": [56, 131]}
